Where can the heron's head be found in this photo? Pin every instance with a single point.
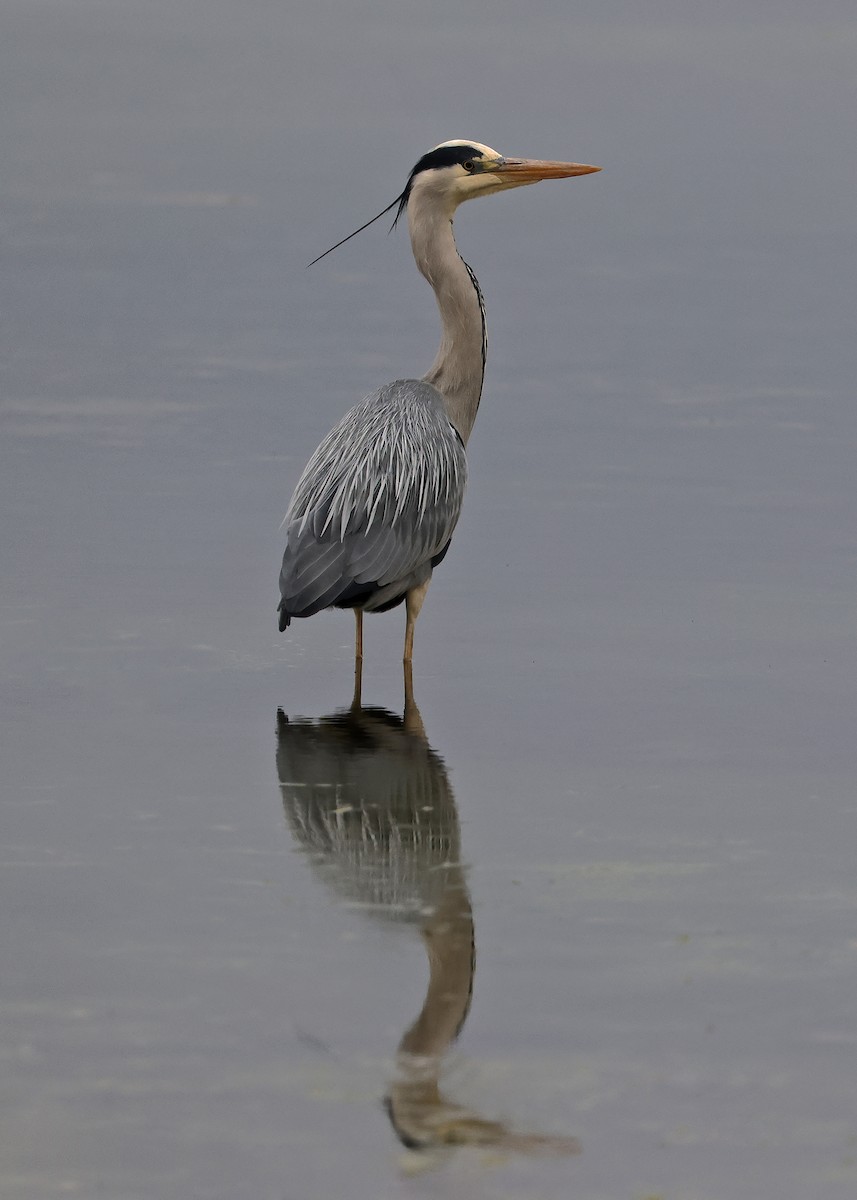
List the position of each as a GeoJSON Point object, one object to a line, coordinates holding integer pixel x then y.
{"type": "Point", "coordinates": [459, 170]}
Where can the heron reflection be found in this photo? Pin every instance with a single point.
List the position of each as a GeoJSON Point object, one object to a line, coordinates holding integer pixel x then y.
{"type": "Point", "coordinates": [366, 795]}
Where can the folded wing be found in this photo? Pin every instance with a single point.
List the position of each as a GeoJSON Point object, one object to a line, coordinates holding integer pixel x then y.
{"type": "Point", "coordinates": [376, 506]}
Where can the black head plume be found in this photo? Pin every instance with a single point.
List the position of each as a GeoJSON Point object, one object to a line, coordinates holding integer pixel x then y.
{"type": "Point", "coordinates": [402, 202]}
{"type": "Point", "coordinates": [446, 155]}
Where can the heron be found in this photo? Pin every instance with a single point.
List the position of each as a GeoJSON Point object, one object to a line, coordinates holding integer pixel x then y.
{"type": "Point", "coordinates": [377, 504]}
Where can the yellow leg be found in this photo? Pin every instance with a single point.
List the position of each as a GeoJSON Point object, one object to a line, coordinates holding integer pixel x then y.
{"type": "Point", "coordinates": [413, 604]}
{"type": "Point", "coordinates": [358, 660]}
{"type": "Point", "coordinates": [357, 699]}
{"type": "Point", "coordinates": [412, 719]}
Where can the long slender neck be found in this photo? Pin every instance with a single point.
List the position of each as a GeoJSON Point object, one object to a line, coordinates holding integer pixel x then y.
{"type": "Point", "coordinates": [459, 368]}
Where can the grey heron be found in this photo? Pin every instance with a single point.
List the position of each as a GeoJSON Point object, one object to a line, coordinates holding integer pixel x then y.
{"type": "Point", "coordinates": [376, 506]}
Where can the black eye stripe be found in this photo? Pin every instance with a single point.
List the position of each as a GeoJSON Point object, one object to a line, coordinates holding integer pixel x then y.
{"type": "Point", "coordinates": [443, 156]}
{"type": "Point", "coordinates": [446, 156]}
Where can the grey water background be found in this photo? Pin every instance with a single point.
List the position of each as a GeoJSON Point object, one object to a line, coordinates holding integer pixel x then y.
{"type": "Point", "coordinates": [637, 662]}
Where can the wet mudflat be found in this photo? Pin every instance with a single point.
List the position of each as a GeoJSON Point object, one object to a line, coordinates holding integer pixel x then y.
{"type": "Point", "coordinates": [238, 917]}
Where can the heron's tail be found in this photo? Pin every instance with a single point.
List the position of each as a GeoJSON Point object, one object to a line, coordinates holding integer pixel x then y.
{"type": "Point", "coordinates": [284, 616]}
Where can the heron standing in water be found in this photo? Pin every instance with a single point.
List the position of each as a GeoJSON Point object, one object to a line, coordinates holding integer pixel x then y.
{"type": "Point", "coordinates": [375, 508]}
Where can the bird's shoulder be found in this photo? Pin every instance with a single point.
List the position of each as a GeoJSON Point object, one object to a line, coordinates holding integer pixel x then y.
{"type": "Point", "coordinates": [393, 452]}
{"type": "Point", "coordinates": [405, 417]}
{"type": "Point", "coordinates": [403, 400]}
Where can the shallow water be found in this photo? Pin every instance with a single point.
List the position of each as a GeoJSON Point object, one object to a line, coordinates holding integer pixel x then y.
{"type": "Point", "coordinates": [629, 775]}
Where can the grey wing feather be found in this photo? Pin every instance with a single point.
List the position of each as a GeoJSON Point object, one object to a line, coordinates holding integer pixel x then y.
{"type": "Point", "coordinates": [378, 500]}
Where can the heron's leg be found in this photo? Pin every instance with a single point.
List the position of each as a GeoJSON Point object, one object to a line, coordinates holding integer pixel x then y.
{"type": "Point", "coordinates": [358, 635]}
{"type": "Point", "coordinates": [413, 604]}
{"type": "Point", "coordinates": [358, 660]}
{"type": "Point", "coordinates": [412, 719]}
{"type": "Point", "coordinates": [357, 699]}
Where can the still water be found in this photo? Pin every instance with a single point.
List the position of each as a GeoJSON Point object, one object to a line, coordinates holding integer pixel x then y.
{"type": "Point", "coordinates": [572, 911]}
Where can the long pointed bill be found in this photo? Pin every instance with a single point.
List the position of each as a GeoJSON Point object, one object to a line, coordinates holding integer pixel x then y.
{"type": "Point", "coordinates": [531, 170]}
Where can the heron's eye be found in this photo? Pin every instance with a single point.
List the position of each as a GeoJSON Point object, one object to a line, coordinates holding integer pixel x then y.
{"type": "Point", "coordinates": [469, 165]}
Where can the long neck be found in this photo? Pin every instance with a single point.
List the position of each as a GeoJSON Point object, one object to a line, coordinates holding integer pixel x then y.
{"type": "Point", "coordinates": [459, 368]}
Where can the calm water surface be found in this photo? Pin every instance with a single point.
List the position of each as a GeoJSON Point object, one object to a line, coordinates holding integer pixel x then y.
{"type": "Point", "coordinates": [238, 917]}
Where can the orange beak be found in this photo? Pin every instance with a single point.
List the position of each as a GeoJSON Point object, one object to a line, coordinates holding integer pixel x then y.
{"type": "Point", "coordinates": [530, 170]}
